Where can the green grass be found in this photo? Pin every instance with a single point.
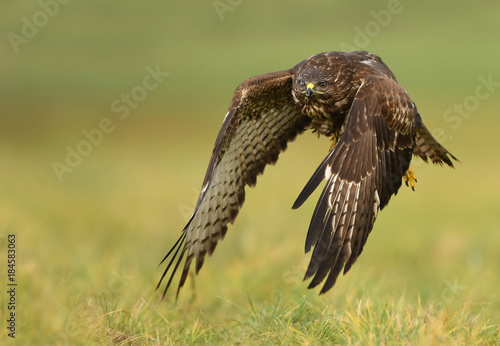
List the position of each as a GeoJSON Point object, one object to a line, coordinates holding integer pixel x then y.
{"type": "Point", "coordinates": [88, 250]}
{"type": "Point", "coordinates": [88, 247]}
{"type": "Point", "coordinates": [357, 321]}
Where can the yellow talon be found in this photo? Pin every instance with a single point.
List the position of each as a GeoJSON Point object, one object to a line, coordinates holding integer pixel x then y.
{"type": "Point", "coordinates": [410, 178]}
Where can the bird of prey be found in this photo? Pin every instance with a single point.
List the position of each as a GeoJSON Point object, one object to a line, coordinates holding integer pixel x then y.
{"type": "Point", "coordinates": [352, 98]}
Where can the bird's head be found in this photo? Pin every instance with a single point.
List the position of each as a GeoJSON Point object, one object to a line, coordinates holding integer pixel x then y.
{"type": "Point", "coordinates": [313, 90]}
{"type": "Point", "coordinates": [313, 85]}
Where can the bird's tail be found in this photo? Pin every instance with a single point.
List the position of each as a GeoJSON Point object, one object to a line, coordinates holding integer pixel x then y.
{"type": "Point", "coordinates": [427, 147]}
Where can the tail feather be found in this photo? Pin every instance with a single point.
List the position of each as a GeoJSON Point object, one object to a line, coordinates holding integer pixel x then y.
{"type": "Point", "coordinates": [427, 147]}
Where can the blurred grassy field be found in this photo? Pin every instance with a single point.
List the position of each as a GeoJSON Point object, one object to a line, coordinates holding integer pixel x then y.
{"type": "Point", "coordinates": [88, 246]}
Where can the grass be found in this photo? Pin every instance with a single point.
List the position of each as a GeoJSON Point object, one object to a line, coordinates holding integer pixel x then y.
{"type": "Point", "coordinates": [356, 321]}
{"type": "Point", "coordinates": [88, 247]}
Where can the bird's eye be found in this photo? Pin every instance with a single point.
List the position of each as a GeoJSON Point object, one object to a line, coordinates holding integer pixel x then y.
{"type": "Point", "coordinates": [323, 83]}
{"type": "Point", "coordinates": [302, 83]}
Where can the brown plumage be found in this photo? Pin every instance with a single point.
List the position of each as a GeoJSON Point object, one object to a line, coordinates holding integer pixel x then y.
{"type": "Point", "coordinates": [351, 97]}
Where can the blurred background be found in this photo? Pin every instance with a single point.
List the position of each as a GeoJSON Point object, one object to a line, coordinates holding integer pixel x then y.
{"type": "Point", "coordinates": [108, 115]}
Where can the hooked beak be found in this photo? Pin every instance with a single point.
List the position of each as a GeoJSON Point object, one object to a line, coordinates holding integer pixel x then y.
{"type": "Point", "coordinates": [310, 90]}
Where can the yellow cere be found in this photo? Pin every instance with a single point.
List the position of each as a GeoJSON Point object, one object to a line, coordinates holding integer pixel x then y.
{"type": "Point", "coordinates": [310, 86]}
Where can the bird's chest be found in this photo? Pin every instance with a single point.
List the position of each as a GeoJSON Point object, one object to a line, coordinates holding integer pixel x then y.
{"type": "Point", "coordinates": [331, 126]}
{"type": "Point", "coordinates": [327, 117]}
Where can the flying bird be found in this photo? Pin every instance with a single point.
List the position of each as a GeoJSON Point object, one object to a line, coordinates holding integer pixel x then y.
{"type": "Point", "coordinates": [352, 98]}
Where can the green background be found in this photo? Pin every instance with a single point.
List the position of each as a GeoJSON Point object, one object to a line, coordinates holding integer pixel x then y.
{"type": "Point", "coordinates": [88, 244]}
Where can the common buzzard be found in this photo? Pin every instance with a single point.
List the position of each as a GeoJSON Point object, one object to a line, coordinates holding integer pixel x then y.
{"type": "Point", "coordinates": [352, 98]}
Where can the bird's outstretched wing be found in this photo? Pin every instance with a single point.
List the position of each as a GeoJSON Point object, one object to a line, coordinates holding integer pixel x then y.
{"type": "Point", "coordinates": [363, 171]}
{"type": "Point", "coordinates": [262, 119]}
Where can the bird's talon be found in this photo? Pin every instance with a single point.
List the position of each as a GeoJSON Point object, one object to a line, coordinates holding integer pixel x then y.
{"type": "Point", "coordinates": [410, 178]}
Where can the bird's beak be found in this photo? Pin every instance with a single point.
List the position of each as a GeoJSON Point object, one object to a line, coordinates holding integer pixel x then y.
{"type": "Point", "coordinates": [310, 90]}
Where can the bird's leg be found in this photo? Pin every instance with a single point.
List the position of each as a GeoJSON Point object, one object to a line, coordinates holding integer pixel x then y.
{"type": "Point", "coordinates": [410, 178]}
{"type": "Point", "coordinates": [334, 141]}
